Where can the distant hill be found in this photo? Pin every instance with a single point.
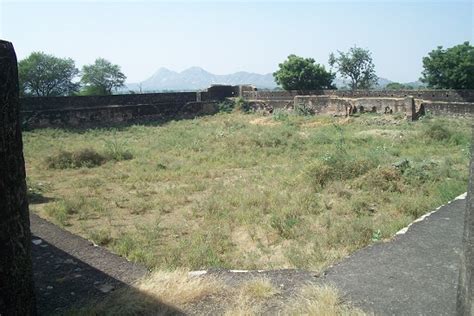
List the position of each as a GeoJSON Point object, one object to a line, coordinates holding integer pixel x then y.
{"type": "Point", "coordinates": [196, 78]}
{"type": "Point", "coordinates": [342, 83]}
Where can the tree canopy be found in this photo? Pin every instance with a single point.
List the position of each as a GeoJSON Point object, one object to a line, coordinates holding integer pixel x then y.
{"type": "Point", "coordinates": [102, 77]}
{"type": "Point", "coordinates": [298, 73]}
{"type": "Point", "coordinates": [398, 86]}
{"type": "Point", "coordinates": [357, 66]}
{"type": "Point", "coordinates": [451, 68]}
{"type": "Point", "coordinates": [41, 74]}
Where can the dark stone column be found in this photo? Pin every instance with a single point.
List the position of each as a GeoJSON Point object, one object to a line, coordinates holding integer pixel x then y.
{"type": "Point", "coordinates": [466, 282]}
{"type": "Point", "coordinates": [16, 278]}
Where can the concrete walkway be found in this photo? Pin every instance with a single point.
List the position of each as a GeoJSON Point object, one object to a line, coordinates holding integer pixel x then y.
{"type": "Point", "coordinates": [70, 272]}
{"type": "Point", "coordinates": [415, 274]}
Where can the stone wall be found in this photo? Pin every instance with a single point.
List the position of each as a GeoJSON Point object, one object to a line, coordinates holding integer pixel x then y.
{"type": "Point", "coordinates": [437, 102]}
{"type": "Point", "coordinates": [448, 108]}
{"type": "Point", "coordinates": [85, 111]}
{"type": "Point", "coordinates": [338, 105]}
{"type": "Point", "coordinates": [431, 95]}
{"type": "Point", "coordinates": [49, 103]}
{"type": "Point", "coordinates": [115, 114]}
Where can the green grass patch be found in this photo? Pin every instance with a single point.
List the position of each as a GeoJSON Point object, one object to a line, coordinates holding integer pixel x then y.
{"type": "Point", "coordinates": [242, 190]}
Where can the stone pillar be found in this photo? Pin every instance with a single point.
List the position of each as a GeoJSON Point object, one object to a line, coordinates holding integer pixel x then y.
{"type": "Point", "coordinates": [410, 107]}
{"type": "Point", "coordinates": [465, 301]}
{"type": "Point", "coordinates": [16, 278]}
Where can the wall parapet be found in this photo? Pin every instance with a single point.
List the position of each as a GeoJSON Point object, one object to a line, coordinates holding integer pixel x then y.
{"type": "Point", "coordinates": [50, 103]}
{"type": "Point", "coordinates": [431, 95]}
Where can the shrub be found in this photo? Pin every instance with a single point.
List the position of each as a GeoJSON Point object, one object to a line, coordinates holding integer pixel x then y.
{"type": "Point", "coordinates": [225, 106]}
{"type": "Point", "coordinates": [76, 159]}
{"type": "Point", "coordinates": [303, 109]}
{"type": "Point", "coordinates": [117, 150]}
{"type": "Point", "coordinates": [386, 178]}
{"type": "Point", "coordinates": [438, 132]}
{"type": "Point", "coordinates": [280, 115]}
{"type": "Point", "coordinates": [338, 166]}
{"type": "Point", "coordinates": [241, 105]}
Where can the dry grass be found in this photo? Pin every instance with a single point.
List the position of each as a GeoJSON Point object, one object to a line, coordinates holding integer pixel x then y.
{"type": "Point", "coordinates": [221, 191]}
{"type": "Point", "coordinates": [159, 293]}
{"type": "Point", "coordinates": [319, 301]}
{"type": "Point", "coordinates": [250, 296]}
{"type": "Point", "coordinates": [258, 289]}
{"type": "Point", "coordinates": [165, 293]}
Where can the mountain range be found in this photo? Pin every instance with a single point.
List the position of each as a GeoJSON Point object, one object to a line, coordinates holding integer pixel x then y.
{"type": "Point", "coordinates": [196, 78]}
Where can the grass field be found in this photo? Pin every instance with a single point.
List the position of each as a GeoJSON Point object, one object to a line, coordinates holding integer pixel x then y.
{"type": "Point", "coordinates": [246, 191]}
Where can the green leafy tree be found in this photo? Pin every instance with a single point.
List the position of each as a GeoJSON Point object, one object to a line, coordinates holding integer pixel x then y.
{"type": "Point", "coordinates": [101, 78]}
{"type": "Point", "coordinates": [298, 73]}
{"type": "Point", "coordinates": [357, 66]}
{"type": "Point", "coordinates": [41, 74]}
{"type": "Point", "coordinates": [398, 86]}
{"type": "Point", "coordinates": [451, 68]}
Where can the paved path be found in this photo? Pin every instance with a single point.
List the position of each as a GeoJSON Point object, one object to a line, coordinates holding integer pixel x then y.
{"type": "Point", "coordinates": [70, 272]}
{"type": "Point", "coordinates": [415, 274]}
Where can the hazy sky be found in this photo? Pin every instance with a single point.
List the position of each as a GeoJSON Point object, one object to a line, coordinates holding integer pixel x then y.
{"type": "Point", "coordinates": [224, 37]}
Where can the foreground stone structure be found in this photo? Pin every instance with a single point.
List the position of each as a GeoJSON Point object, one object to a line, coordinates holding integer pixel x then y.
{"type": "Point", "coordinates": [16, 283]}
{"type": "Point", "coordinates": [465, 303]}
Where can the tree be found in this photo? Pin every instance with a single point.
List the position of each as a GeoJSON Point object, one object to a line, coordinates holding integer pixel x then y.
{"type": "Point", "coordinates": [398, 86]}
{"type": "Point", "coordinates": [46, 75]}
{"type": "Point", "coordinates": [102, 77]}
{"type": "Point", "coordinates": [298, 73]}
{"type": "Point", "coordinates": [356, 65]}
{"type": "Point", "coordinates": [451, 68]}
{"type": "Point", "coordinates": [16, 278]}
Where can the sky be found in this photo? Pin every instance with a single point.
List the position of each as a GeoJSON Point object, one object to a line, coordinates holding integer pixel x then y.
{"type": "Point", "coordinates": [228, 36]}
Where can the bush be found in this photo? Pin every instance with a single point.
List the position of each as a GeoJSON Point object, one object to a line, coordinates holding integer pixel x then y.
{"type": "Point", "coordinates": [386, 178]}
{"type": "Point", "coordinates": [225, 106]}
{"type": "Point", "coordinates": [76, 159]}
{"type": "Point", "coordinates": [241, 105]}
{"type": "Point", "coordinates": [438, 132]}
{"type": "Point", "coordinates": [337, 166]}
{"type": "Point", "coordinates": [303, 109]}
{"type": "Point", "coordinates": [116, 150]}
{"type": "Point", "coordinates": [280, 115]}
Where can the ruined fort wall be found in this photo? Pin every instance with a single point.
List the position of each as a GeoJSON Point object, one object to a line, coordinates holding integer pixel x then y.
{"type": "Point", "coordinates": [114, 114]}
{"type": "Point", "coordinates": [59, 103]}
{"type": "Point", "coordinates": [437, 102]}
{"type": "Point", "coordinates": [431, 95]}
{"type": "Point", "coordinates": [338, 105]}
{"type": "Point", "coordinates": [86, 111]}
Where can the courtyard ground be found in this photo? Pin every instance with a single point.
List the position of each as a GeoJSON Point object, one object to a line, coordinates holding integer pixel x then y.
{"type": "Point", "coordinates": [246, 191]}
